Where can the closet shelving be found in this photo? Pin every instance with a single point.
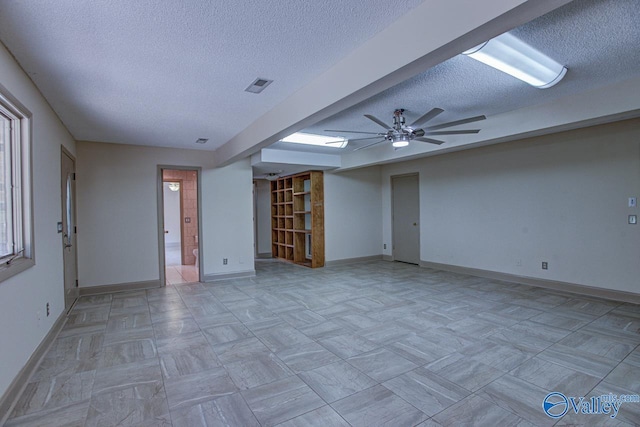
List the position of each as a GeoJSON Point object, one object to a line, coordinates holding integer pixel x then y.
{"type": "Point", "coordinates": [297, 218]}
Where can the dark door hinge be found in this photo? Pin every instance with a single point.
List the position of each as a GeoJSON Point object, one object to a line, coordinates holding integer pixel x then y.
{"type": "Point", "coordinates": [76, 283]}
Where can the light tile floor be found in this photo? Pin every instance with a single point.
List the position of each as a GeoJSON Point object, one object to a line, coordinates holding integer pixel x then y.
{"type": "Point", "coordinates": [375, 343]}
{"type": "Point", "coordinates": [175, 272]}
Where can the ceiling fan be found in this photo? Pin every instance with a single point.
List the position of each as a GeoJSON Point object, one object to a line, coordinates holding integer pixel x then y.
{"type": "Point", "coordinates": [400, 134]}
{"type": "Point", "coordinates": [270, 176]}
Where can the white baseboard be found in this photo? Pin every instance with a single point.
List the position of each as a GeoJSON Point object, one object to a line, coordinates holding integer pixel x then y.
{"type": "Point", "coordinates": [216, 277]}
{"type": "Point", "coordinates": [17, 386]}
{"type": "Point", "coordinates": [352, 260]}
{"type": "Point", "coordinates": [575, 288]}
{"type": "Point", "coordinates": [119, 287]}
{"type": "Point", "coordinates": [387, 257]}
{"type": "Point", "coordinates": [264, 255]}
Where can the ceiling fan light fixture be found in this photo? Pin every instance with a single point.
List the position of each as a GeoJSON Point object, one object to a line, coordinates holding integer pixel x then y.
{"type": "Point", "coordinates": [402, 141]}
{"type": "Point", "coordinates": [511, 55]}
{"type": "Point", "coordinates": [313, 139]}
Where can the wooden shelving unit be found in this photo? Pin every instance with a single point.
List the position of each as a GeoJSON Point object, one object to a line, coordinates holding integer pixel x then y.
{"type": "Point", "coordinates": [297, 218]}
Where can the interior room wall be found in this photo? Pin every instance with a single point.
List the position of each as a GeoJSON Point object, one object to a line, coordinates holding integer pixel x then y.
{"type": "Point", "coordinates": [352, 214]}
{"type": "Point", "coordinates": [263, 217]}
{"type": "Point", "coordinates": [560, 198]}
{"type": "Point", "coordinates": [171, 216]}
{"type": "Point", "coordinates": [23, 297]}
{"type": "Point", "coordinates": [118, 219]}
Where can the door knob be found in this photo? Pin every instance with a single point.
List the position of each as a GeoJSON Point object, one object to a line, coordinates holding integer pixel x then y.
{"type": "Point", "coordinates": [415, 223]}
{"type": "Point", "coordinates": [166, 231]}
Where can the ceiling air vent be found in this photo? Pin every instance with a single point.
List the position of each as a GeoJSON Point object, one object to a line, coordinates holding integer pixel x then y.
{"type": "Point", "coordinates": [258, 85]}
{"type": "Point", "coordinates": [202, 140]}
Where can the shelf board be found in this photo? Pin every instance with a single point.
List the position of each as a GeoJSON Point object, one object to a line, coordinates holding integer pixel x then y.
{"type": "Point", "coordinates": [302, 231]}
{"type": "Point", "coordinates": [301, 212]}
{"type": "Point", "coordinates": [302, 193]}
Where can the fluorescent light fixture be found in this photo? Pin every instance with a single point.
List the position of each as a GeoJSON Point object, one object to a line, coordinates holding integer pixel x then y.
{"type": "Point", "coordinates": [516, 58]}
{"type": "Point", "coordinates": [403, 141]}
{"type": "Point", "coordinates": [312, 139]}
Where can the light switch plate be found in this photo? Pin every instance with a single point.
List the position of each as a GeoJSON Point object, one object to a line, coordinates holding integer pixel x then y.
{"type": "Point", "coordinates": [633, 219]}
{"type": "Point", "coordinates": [59, 227]}
{"type": "Point", "coordinates": [633, 202]}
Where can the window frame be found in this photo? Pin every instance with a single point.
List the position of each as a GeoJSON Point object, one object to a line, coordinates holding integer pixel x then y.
{"type": "Point", "coordinates": [23, 256]}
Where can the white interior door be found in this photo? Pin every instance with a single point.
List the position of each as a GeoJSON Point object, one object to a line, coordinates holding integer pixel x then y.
{"type": "Point", "coordinates": [406, 218]}
{"type": "Point", "coordinates": [69, 251]}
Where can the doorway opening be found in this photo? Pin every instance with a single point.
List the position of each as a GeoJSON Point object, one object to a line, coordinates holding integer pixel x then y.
{"type": "Point", "coordinates": [180, 226]}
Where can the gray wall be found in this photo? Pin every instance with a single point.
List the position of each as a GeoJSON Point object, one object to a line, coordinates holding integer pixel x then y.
{"type": "Point", "coordinates": [559, 198]}
{"type": "Point", "coordinates": [118, 219]}
{"type": "Point", "coordinates": [263, 216]}
{"type": "Point", "coordinates": [23, 297]}
{"type": "Point", "coordinates": [352, 214]}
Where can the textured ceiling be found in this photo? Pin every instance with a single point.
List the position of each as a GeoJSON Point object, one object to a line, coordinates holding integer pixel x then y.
{"type": "Point", "coordinates": [597, 40]}
{"type": "Point", "coordinates": [166, 73]}
{"type": "Point", "coordinates": [136, 73]}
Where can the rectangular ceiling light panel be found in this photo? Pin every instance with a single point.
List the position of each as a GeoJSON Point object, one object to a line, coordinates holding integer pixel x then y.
{"type": "Point", "coordinates": [312, 139]}
{"type": "Point", "coordinates": [516, 58]}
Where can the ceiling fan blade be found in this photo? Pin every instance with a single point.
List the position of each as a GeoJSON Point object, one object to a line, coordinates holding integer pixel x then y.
{"type": "Point", "coordinates": [452, 132]}
{"type": "Point", "coordinates": [370, 145]}
{"type": "Point", "coordinates": [351, 131]}
{"type": "Point", "coordinates": [358, 139]}
{"type": "Point", "coordinates": [378, 121]}
{"type": "Point", "coordinates": [426, 116]}
{"type": "Point", "coordinates": [429, 140]}
{"type": "Point", "coordinates": [455, 123]}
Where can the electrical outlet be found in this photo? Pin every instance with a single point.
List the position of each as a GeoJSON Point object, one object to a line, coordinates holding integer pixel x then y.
{"type": "Point", "coordinates": [518, 263]}
{"type": "Point", "coordinates": [633, 202]}
{"type": "Point", "coordinates": [545, 265]}
{"type": "Point", "coordinates": [633, 219]}
{"type": "Point", "coordinates": [48, 310]}
{"type": "Point", "coordinates": [224, 261]}
{"type": "Point", "coordinates": [384, 246]}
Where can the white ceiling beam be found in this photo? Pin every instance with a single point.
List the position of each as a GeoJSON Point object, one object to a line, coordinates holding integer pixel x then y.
{"type": "Point", "coordinates": [428, 35]}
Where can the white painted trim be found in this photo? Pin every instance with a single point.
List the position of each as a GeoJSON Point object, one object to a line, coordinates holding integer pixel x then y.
{"type": "Point", "coordinates": [19, 383]}
{"type": "Point", "coordinates": [353, 260]}
{"type": "Point", "coordinates": [217, 277]}
{"type": "Point", "coordinates": [120, 287]}
{"type": "Point", "coordinates": [575, 288]}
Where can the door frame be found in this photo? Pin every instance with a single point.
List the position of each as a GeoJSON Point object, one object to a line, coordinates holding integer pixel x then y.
{"type": "Point", "coordinates": [393, 233]}
{"type": "Point", "coordinates": [65, 152]}
{"type": "Point", "coordinates": [160, 210]}
{"type": "Point", "coordinates": [255, 218]}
